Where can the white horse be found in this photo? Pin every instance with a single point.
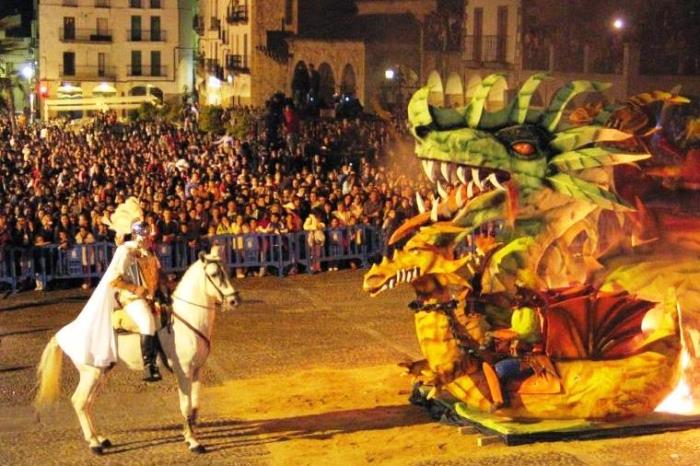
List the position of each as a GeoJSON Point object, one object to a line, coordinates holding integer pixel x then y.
{"type": "Point", "coordinates": [205, 286]}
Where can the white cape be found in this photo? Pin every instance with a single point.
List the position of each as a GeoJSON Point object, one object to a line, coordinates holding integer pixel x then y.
{"type": "Point", "coordinates": [90, 338]}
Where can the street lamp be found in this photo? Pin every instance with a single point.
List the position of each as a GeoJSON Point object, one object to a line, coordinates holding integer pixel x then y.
{"type": "Point", "coordinates": [389, 74]}
{"type": "Point", "coordinates": [618, 24]}
{"type": "Point", "coordinates": [27, 72]}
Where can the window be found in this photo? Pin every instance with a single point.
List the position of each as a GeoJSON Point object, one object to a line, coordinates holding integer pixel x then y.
{"type": "Point", "coordinates": [102, 29]}
{"type": "Point", "coordinates": [501, 33]}
{"type": "Point", "coordinates": [135, 3]}
{"type": "Point", "coordinates": [155, 63]}
{"type": "Point", "coordinates": [245, 51]}
{"type": "Point", "coordinates": [478, 31]}
{"type": "Point", "coordinates": [155, 28]}
{"type": "Point", "coordinates": [68, 28]}
{"type": "Point", "coordinates": [69, 63]}
{"type": "Point", "coordinates": [288, 11]}
{"type": "Point", "coordinates": [101, 64]}
{"type": "Point", "coordinates": [135, 28]}
{"type": "Point", "coordinates": [136, 63]}
{"type": "Point", "coordinates": [156, 4]}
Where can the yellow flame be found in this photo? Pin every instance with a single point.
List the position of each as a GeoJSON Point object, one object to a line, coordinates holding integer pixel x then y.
{"type": "Point", "coordinates": [680, 400]}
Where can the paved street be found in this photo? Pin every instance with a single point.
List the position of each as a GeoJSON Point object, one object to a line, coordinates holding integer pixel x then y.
{"type": "Point", "coordinates": [304, 372]}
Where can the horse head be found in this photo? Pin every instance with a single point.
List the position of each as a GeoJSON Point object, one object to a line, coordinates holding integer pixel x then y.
{"type": "Point", "coordinates": [218, 280]}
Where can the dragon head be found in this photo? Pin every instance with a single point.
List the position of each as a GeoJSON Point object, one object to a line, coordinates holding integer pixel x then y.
{"type": "Point", "coordinates": [500, 166]}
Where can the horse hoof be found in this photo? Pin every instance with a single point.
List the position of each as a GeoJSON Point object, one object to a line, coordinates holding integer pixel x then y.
{"type": "Point", "coordinates": [97, 450]}
{"type": "Point", "coordinates": [199, 449]}
{"type": "Point", "coordinates": [106, 443]}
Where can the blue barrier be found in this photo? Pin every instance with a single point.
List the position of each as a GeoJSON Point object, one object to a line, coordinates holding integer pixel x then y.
{"type": "Point", "coordinates": [281, 252]}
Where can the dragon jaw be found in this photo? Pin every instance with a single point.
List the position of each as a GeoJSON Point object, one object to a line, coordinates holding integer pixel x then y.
{"type": "Point", "coordinates": [422, 266]}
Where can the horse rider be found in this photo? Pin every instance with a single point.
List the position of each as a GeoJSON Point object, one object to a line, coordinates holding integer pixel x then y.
{"type": "Point", "coordinates": [137, 277]}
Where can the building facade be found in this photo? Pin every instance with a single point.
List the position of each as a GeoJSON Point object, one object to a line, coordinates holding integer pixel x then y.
{"type": "Point", "coordinates": [523, 37]}
{"type": "Point", "coordinates": [240, 39]}
{"type": "Point", "coordinates": [115, 48]}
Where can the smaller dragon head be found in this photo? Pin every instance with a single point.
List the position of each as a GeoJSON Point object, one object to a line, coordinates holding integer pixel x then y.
{"type": "Point", "coordinates": [431, 270]}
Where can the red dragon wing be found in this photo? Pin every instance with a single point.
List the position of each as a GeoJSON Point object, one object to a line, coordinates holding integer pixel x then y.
{"type": "Point", "coordinates": [595, 325]}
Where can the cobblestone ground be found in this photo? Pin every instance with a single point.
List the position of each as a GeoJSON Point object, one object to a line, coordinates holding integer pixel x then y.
{"type": "Point", "coordinates": [304, 372]}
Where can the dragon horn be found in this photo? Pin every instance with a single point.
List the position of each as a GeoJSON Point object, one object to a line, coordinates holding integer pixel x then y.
{"type": "Point", "coordinates": [476, 106]}
{"type": "Point", "coordinates": [550, 118]}
{"type": "Point", "coordinates": [593, 157]}
{"type": "Point", "coordinates": [519, 112]}
{"type": "Point", "coordinates": [574, 138]}
{"type": "Point", "coordinates": [580, 189]}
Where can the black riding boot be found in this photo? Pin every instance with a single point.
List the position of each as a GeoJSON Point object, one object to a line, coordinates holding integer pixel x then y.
{"type": "Point", "coordinates": [149, 351]}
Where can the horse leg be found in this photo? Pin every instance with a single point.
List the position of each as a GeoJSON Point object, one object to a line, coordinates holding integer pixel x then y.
{"type": "Point", "coordinates": [184, 383]}
{"type": "Point", "coordinates": [89, 377]}
{"type": "Point", "coordinates": [196, 385]}
{"type": "Point", "coordinates": [97, 390]}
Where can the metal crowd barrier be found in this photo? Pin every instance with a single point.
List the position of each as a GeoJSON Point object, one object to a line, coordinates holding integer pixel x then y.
{"type": "Point", "coordinates": [278, 253]}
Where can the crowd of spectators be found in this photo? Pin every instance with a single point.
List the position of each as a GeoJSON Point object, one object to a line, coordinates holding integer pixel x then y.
{"type": "Point", "coordinates": [58, 181]}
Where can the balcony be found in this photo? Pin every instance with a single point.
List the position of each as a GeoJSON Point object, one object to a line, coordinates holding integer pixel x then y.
{"type": "Point", "coordinates": [214, 24]}
{"type": "Point", "coordinates": [85, 35]}
{"type": "Point", "coordinates": [237, 63]}
{"type": "Point", "coordinates": [145, 35]}
{"type": "Point", "coordinates": [88, 72]}
{"type": "Point", "coordinates": [102, 4]}
{"type": "Point", "coordinates": [479, 50]}
{"type": "Point", "coordinates": [146, 71]}
{"type": "Point", "coordinates": [237, 14]}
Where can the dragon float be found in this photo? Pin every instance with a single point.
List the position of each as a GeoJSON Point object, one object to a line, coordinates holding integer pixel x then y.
{"type": "Point", "coordinates": [542, 291]}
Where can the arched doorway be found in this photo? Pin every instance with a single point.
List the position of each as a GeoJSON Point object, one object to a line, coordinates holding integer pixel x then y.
{"type": "Point", "coordinates": [436, 96]}
{"type": "Point", "coordinates": [301, 83]}
{"type": "Point", "coordinates": [327, 87]}
{"type": "Point", "coordinates": [348, 82]}
{"type": "Point", "coordinates": [473, 83]}
{"type": "Point", "coordinates": [497, 96]}
{"type": "Point", "coordinates": [454, 91]}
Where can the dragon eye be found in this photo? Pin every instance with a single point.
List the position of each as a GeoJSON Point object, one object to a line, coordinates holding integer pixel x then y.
{"type": "Point", "coordinates": [524, 148]}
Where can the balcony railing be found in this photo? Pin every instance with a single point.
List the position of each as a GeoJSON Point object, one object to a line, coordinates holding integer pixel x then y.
{"type": "Point", "coordinates": [87, 72]}
{"type": "Point", "coordinates": [145, 35]}
{"type": "Point", "coordinates": [146, 70]}
{"type": "Point", "coordinates": [237, 14]}
{"type": "Point", "coordinates": [214, 24]}
{"type": "Point", "coordinates": [237, 63]}
{"type": "Point", "coordinates": [85, 35]}
{"type": "Point", "coordinates": [486, 49]}
{"type": "Point", "coordinates": [102, 4]}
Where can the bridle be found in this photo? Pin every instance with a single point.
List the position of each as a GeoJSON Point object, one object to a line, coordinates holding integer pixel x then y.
{"type": "Point", "coordinates": [222, 296]}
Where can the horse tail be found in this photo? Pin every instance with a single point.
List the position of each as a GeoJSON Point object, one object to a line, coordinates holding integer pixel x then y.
{"type": "Point", "coordinates": [48, 374]}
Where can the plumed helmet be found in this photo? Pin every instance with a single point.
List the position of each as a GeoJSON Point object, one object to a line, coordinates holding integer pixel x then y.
{"type": "Point", "coordinates": [139, 229]}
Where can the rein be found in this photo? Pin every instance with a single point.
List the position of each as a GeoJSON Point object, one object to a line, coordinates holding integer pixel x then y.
{"type": "Point", "coordinates": [201, 306]}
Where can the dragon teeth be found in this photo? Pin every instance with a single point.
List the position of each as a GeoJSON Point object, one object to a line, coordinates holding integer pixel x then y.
{"type": "Point", "coordinates": [434, 211]}
{"type": "Point", "coordinates": [445, 171]}
{"type": "Point", "coordinates": [470, 189]}
{"type": "Point", "coordinates": [458, 196]}
{"type": "Point", "coordinates": [462, 174]}
{"type": "Point", "coordinates": [428, 166]}
{"type": "Point", "coordinates": [494, 181]}
{"type": "Point", "coordinates": [392, 283]}
{"type": "Point", "coordinates": [476, 179]}
{"type": "Point", "coordinates": [441, 191]}
{"type": "Point", "coordinates": [383, 288]}
{"type": "Point", "coordinates": [420, 203]}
